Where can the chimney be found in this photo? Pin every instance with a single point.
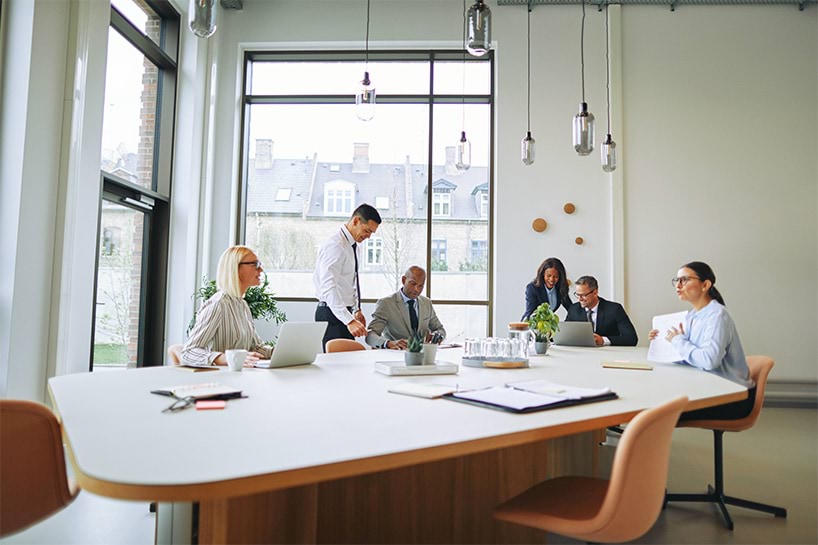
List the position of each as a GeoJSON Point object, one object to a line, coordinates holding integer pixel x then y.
{"type": "Point", "coordinates": [360, 158]}
{"type": "Point", "coordinates": [264, 153]}
{"type": "Point", "coordinates": [450, 169]}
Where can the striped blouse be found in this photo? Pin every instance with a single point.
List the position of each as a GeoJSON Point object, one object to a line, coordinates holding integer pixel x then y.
{"type": "Point", "coordinates": [224, 322]}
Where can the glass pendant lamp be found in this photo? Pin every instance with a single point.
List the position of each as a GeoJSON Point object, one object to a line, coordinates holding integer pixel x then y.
{"type": "Point", "coordinates": [201, 15]}
{"type": "Point", "coordinates": [478, 29]}
{"type": "Point", "coordinates": [584, 120]}
{"type": "Point", "coordinates": [365, 98]}
{"type": "Point", "coordinates": [608, 146]}
{"type": "Point", "coordinates": [463, 153]}
{"type": "Point", "coordinates": [528, 143]}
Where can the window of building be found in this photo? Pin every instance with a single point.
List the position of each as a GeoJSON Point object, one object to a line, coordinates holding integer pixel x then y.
{"type": "Point", "coordinates": [478, 256]}
{"type": "Point", "coordinates": [484, 204]}
{"type": "Point", "coordinates": [339, 199]}
{"type": "Point", "coordinates": [441, 204]}
{"type": "Point", "coordinates": [374, 251]}
{"type": "Point", "coordinates": [138, 116]}
{"type": "Point", "coordinates": [283, 194]}
{"type": "Point", "coordinates": [423, 96]}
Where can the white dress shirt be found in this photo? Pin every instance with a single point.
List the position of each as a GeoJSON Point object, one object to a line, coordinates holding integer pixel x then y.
{"type": "Point", "coordinates": [334, 276]}
{"type": "Point", "coordinates": [594, 314]}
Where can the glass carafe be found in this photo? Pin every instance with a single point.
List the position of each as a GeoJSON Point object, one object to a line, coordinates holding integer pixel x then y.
{"type": "Point", "coordinates": [525, 337]}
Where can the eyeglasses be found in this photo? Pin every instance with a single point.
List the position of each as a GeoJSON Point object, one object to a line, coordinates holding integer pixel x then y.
{"type": "Point", "coordinates": [257, 264]}
{"type": "Point", "coordinates": [683, 279]}
{"type": "Point", "coordinates": [180, 404]}
{"type": "Point", "coordinates": [583, 295]}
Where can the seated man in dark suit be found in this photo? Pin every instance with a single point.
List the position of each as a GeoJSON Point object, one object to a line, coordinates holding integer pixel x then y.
{"type": "Point", "coordinates": [398, 316]}
{"type": "Point", "coordinates": [611, 324]}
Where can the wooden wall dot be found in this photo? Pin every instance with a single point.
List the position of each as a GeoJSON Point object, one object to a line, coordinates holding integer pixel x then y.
{"type": "Point", "coordinates": [569, 208]}
{"type": "Point", "coordinates": [580, 241]}
{"type": "Point", "coordinates": [539, 225]}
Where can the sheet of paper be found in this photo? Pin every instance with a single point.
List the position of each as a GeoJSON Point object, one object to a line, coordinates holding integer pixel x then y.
{"type": "Point", "coordinates": [660, 349]}
{"type": "Point", "coordinates": [509, 397]}
{"type": "Point", "coordinates": [546, 387]}
{"type": "Point", "coordinates": [429, 391]}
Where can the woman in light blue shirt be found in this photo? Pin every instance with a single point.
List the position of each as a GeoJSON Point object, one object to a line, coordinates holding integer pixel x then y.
{"type": "Point", "coordinates": [708, 339]}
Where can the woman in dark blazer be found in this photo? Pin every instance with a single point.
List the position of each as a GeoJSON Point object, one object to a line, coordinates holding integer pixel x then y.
{"type": "Point", "coordinates": [549, 286]}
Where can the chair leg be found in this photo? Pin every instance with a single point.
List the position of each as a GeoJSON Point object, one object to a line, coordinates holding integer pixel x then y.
{"type": "Point", "coordinates": [716, 494]}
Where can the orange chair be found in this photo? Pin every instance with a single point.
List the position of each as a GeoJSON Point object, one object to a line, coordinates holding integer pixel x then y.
{"type": "Point", "coordinates": [343, 345]}
{"type": "Point", "coordinates": [601, 511]}
{"type": "Point", "coordinates": [175, 353]}
{"type": "Point", "coordinates": [33, 481]}
{"type": "Point", "coordinates": [760, 367]}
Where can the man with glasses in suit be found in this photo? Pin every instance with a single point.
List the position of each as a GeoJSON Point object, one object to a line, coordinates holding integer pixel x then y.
{"type": "Point", "coordinates": [610, 323]}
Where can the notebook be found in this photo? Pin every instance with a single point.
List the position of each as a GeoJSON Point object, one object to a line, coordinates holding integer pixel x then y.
{"type": "Point", "coordinates": [399, 368]}
{"type": "Point", "coordinates": [575, 334]}
{"type": "Point", "coordinates": [298, 344]}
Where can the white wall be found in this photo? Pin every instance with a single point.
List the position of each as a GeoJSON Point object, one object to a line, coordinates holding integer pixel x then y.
{"type": "Point", "coordinates": [745, 202]}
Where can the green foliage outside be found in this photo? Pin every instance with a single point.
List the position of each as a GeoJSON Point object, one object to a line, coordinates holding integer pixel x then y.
{"type": "Point", "coordinates": [473, 266]}
{"type": "Point", "coordinates": [544, 323]}
{"type": "Point", "coordinates": [439, 265]}
{"type": "Point", "coordinates": [110, 354]}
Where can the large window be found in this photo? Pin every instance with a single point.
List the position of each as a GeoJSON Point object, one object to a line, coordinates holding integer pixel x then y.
{"type": "Point", "coordinates": [140, 85]}
{"type": "Point", "coordinates": [302, 135]}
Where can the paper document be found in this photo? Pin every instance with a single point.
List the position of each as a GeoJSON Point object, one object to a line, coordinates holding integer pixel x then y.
{"type": "Point", "coordinates": [660, 349]}
{"type": "Point", "coordinates": [546, 387]}
{"type": "Point", "coordinates": [510, 397]}
{"type": "Point", "coordinates": [199, 391]}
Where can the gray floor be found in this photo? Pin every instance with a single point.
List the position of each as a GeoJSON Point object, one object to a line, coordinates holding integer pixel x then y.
{"type": "Point", "coordinates": [776, 462]}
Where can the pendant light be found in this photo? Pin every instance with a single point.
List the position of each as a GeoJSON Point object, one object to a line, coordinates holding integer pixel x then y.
{"type": "Point", "coordinates": [462, 158]}
{"type": "Point", "coordinates": [479, 29]}
{"type": "Point", "coordinates": [365, 99]}
{"type": "Point", "coordinates": [201, 16]}
{"type": "Point", "coordinates": [527, 144]}
{"type": "Point", "coordinates": [608, 146]}
{"type": "Point", "coordinates": [584, 120]}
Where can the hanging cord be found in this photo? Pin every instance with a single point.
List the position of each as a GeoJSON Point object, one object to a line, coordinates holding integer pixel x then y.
{"type": "Point", "coordinates": [463, 83]}
{"type": "Point", "coordinates": [529, 66]}
{"type": "Point", "coordinates": [367, 35]}
{"type": "Point", "coordinates": [582, 50]}
{"type": "Point", "coordinates": [607, 69]}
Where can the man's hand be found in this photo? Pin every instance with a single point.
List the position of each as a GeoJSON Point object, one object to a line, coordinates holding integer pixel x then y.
{"type": "Point", "coordinates": [356, 328]}
{"type": "Point", "coordinates": [598, 340]}
{"type": "Point", "coordinates": [360, 317]}
{"type": "Point", "coordinates": [400, 344]}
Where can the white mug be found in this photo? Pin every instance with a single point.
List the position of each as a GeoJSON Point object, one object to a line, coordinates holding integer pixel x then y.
{"type": "Point", "coordinates": [235, 359]}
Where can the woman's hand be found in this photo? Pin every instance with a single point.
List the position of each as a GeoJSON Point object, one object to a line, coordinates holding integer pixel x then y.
{"type": "Point", "coordinates": [252, 359]}
{"type": "Point", "coordinates": [653, 334]}
{"type": "Point", "coordinates": [672, 332]}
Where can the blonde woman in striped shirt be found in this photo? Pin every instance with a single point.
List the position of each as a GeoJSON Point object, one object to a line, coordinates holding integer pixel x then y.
{"type": "Point", "coordinates": [224, 322]}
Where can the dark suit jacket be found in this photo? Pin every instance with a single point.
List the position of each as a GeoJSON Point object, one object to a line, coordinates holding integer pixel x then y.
{"type": "Point", "coordinates": [611, 322]}
{"type": "Point", "coordinates": [535, 296]}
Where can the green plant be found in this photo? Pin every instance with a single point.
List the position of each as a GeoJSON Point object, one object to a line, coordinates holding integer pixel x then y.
{"type": "Point", "coordinates": [261, 302]}
{"type": "Point", "coordinates": [415, 343]}
{"type": "Point", "coordinates": [544, 323]}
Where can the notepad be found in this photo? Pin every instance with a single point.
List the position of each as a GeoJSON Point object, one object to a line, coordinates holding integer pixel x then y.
{"type": "Point", "coordinates": [622, 364]}
{"type": "Point", "coordinates": [531, 396]}
{"type": "Point", "coordinates": [199, 391]}
{"type": "Point", "coordinates": [429, 391]}
{"type": "Point", "coordinates": [197, 368]}
{"type": "Point", "coordinates": [399, 368]}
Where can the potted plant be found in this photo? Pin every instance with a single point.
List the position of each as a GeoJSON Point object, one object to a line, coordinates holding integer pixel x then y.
{"type": "Point", "coordinates": [544, 323]}
{"type": "Point", "coordinates": [414, 354]}
{"type": "Point", "coordinates": [261, 302]}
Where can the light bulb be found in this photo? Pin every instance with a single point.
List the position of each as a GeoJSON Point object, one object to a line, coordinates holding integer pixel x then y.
{"type": "Point", "coordinates": [584, 130]}
{"type": "Point", "coordinates": [365, 100]}
{"type": "Point", "coordinates": [463, 153]}
{"type": "Point", "coordinates": [478, 29]}
{"type": "Point", "coordinates": [201, 16]}
{"type": "Point", "coordinates": [527, 149]}
{"type": "Point", "coordinates": [608, 154]}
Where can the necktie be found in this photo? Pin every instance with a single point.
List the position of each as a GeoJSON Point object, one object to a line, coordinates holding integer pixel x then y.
{"type": "Point", "coordinates": [357, 281]}
{"type": "Point", "coordinates": [413, 317]}
{"type": "Point", "coordinates": [591, 318]}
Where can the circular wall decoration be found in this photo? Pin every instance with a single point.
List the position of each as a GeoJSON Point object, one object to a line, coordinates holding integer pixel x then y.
{"type": "Point", "coordinates": [539, 225]}
{"type": "Point", "coordinates": [569, 208]}
{"type": "Point", "coordinates": [580, 241]}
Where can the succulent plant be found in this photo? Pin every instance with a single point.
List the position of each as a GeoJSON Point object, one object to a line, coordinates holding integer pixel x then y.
{"type": "Point", "coordinates": [415, 343]}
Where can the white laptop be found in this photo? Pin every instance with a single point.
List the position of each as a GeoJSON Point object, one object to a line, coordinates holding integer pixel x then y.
{"type": "Point", "coordinates": [575, 334]}
{"type": "Point", "coordinates": [298, 344]}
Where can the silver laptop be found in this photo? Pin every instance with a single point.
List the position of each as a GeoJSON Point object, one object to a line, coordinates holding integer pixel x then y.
{"type": "Point", "coordinates": [575, 334]}
{"type": "Point", "coordinates": [298, 344]}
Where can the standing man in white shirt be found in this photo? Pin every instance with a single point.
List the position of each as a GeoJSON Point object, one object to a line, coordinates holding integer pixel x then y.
{"type": "Point", "coordinates": [336, 281]}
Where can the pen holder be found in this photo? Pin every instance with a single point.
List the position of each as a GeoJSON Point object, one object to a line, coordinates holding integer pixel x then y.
{"type": "Point", "coordinates": [429, 353]}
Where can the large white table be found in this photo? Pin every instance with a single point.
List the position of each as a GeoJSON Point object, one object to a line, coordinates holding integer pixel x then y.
{"type": "Point", "coordinates": [323, 453]}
